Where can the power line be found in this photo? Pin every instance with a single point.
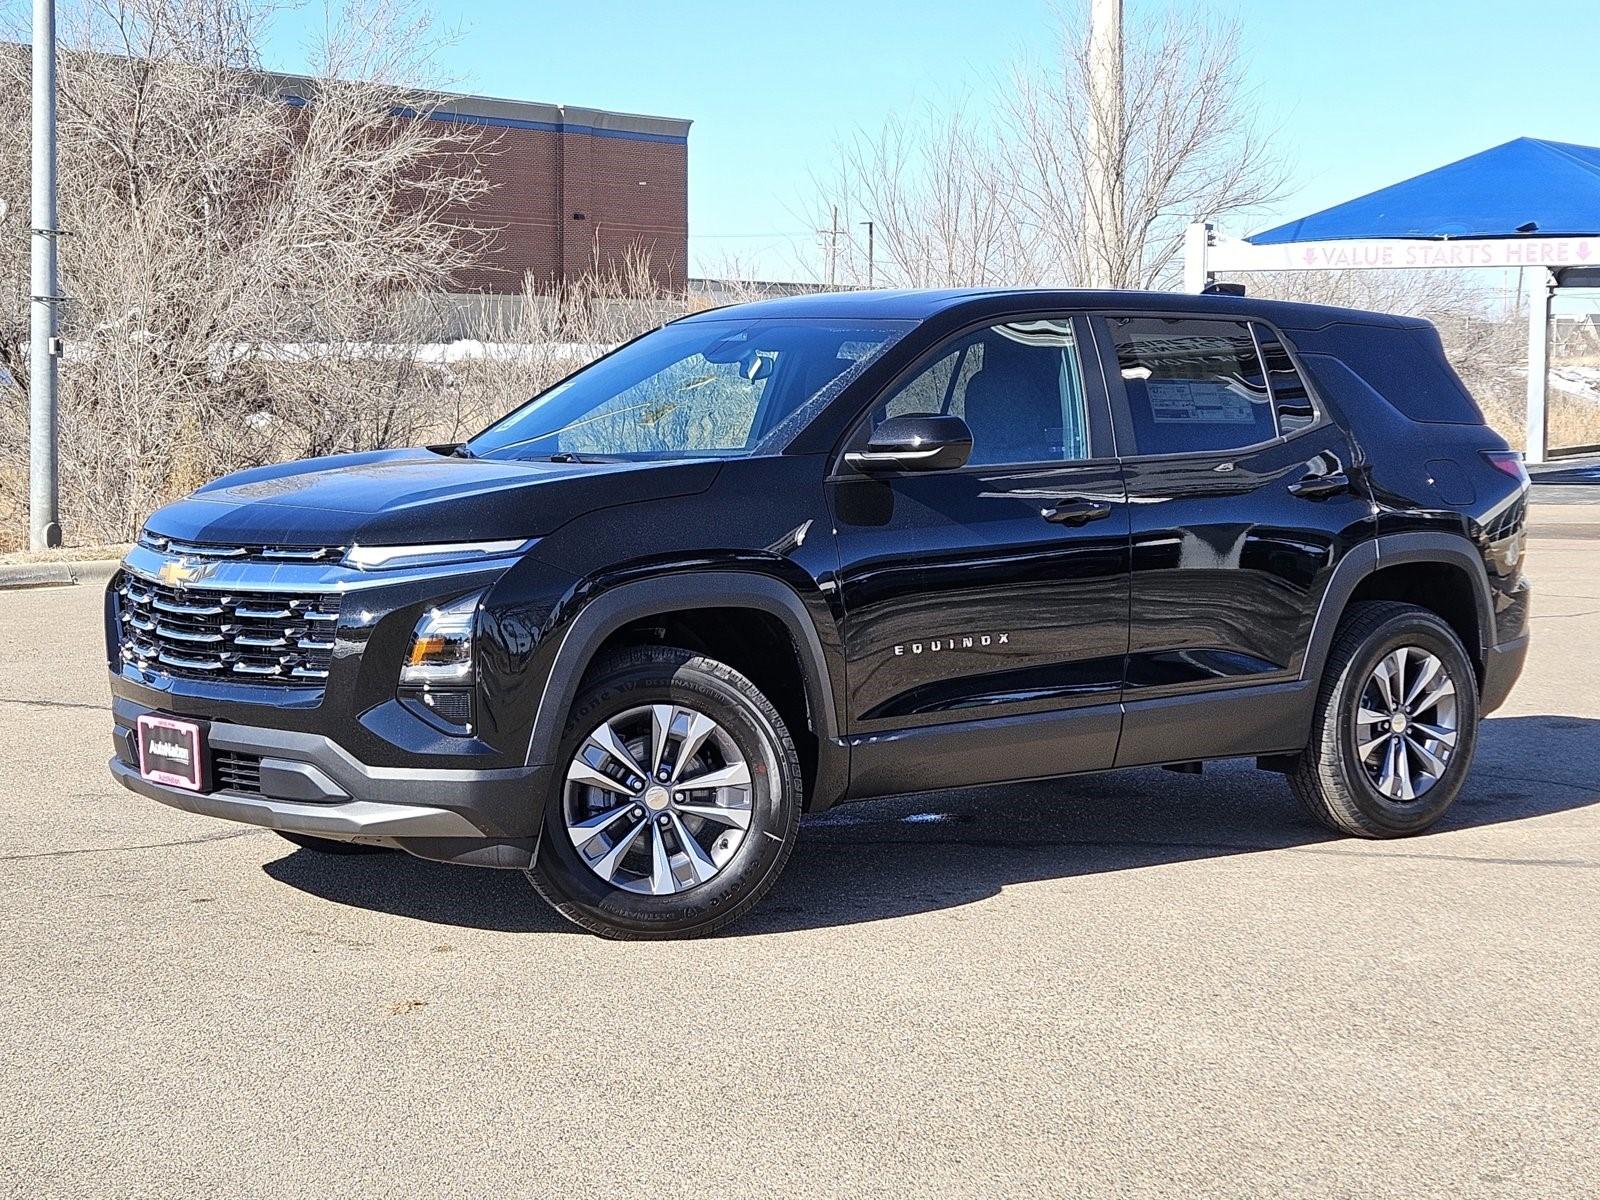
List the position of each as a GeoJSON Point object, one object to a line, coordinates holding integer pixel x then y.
{"type": "Point", "coordinates": [770, 233]}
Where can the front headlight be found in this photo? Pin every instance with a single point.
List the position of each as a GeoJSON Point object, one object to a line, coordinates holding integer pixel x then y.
{"type": "Point", "coordinates": [440, 654]}
{"type": "Point", "coordinates": [433, 554]}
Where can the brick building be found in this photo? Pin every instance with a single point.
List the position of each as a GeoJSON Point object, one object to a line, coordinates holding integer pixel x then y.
{"type": "Point", "coordinates": [575, 190]}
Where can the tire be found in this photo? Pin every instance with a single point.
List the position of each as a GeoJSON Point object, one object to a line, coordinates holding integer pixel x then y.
{"type": "Point", "coordinates": [655, 885]}
{"type": "Point", "coordinates": [329, 845]}
{"type": "Point", "coordinates": [1366, 797]}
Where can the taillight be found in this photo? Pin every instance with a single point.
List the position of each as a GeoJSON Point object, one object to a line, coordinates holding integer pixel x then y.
{"type": "Point", "coordinates": [1507, 462]}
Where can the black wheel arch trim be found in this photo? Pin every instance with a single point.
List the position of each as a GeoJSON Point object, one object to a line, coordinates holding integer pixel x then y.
{"type": "Point", "coordinates": [624, 603]}
{"type": "Point", "coordinates": [1392, 550]}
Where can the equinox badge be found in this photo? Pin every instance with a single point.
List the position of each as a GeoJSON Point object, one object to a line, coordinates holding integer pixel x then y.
{"type": "Point", "coordinates": [965, 642]}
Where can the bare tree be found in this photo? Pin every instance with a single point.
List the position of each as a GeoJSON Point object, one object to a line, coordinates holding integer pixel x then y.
{"type": "Point", "coordinates": [956, 201]}
{"type": "Point", "coordinates": [211, 214]}
{"type": "Point", "coordinates": [930, 187]}
{"type": "Point", "coordinates": [1186, 145]}
{"type": "Point", "coordinates": [1429, 294]}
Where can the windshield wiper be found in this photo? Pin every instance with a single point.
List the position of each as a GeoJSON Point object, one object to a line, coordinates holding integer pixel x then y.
{"type": "Point", "coordinates": [560, 456]}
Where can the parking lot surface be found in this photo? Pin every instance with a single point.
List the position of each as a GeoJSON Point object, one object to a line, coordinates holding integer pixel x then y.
{"type": "Point", "coordinates": [1134, 984]}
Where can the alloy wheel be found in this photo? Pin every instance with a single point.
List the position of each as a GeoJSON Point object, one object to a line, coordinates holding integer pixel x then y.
{"type": "Point", "coordinates": [1406, 723]}
{"type": "Point", "coordinates": [658, 799]}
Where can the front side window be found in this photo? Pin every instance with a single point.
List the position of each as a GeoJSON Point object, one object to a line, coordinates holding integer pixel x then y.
{"type": "Point", "coordinates": [1192, 385]}
{"type": "Point", "coordinates": [704, 388]}
{"type": "Point", "coordinates": [1018, 386]}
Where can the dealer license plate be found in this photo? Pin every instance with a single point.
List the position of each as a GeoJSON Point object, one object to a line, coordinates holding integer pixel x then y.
{"type": "Point", "coordinates": [171, 752]}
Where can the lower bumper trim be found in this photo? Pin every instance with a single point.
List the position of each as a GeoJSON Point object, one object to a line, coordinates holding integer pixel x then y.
{"type": "Point", "coordinates": [310, 784]}
{"type": "Point", "coordinates": [353, 818]}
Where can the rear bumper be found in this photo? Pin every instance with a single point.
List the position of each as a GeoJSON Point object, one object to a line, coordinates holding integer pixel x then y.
{"type": "Point", "coordinates": [309, 784]}
{"type": "Point", "coordinates": [1502, 667]}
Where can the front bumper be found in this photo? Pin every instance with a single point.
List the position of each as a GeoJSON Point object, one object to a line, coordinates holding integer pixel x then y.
{"type": "Point", "coordinates": [306, 783]}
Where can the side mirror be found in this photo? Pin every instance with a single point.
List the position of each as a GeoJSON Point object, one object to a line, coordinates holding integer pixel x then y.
{"type": "Point", "coordinates": [917, 442]}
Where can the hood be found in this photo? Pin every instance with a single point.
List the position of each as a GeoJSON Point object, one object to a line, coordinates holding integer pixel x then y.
{"type": "Point", "coordinates": [393, 497]}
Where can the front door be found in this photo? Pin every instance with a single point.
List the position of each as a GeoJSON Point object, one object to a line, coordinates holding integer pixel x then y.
{"type": "Point", "coordinates": [993, 597]}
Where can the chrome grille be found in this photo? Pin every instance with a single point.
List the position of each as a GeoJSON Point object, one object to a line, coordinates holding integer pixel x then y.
{"type": "Point", "coordinates": [199, 633]}
{"type": "Point", "coordinates": [249, 552]}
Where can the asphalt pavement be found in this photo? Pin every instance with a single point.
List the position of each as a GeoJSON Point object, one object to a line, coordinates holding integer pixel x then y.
{"type": "Point", "coordinates": [1132, 984]}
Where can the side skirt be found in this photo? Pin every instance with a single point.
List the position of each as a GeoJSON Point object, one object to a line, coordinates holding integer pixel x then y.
{"type": "Point", "coordinates": [1269, 718]}
{"type": "Point", "coordinates": [1266, 719]}
{"type": "Point", "coordinates": [1000, 750]}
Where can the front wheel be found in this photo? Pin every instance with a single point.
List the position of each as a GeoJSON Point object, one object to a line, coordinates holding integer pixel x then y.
{"type": "Point", "coordinates": [679, 801]}
{"type": "Point", "coordinates": [1396, 723]}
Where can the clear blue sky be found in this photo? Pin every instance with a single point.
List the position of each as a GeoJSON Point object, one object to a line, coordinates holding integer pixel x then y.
{"type": "Point", "coordinates": [1364, 92]}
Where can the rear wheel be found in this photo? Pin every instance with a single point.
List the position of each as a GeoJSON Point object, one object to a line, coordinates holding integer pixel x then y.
{"type": "Point", "coordinates": [1395, 727]}
{"type": "Point", "coordinates": [679, 801]}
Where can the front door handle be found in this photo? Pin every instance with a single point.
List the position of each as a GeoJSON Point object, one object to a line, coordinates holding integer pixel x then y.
{"type": "Point", "coordinates": [1076, 512]}
{"type": "Point", "coordinates": [1320, 487]}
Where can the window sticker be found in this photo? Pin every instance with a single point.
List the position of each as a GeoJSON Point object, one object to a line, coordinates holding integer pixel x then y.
{"type": "Point", "coordinates": [1190, 400]}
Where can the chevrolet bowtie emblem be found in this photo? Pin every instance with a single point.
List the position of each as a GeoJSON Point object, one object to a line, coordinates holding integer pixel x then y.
{"type": "Point", "coordinates": [181, 570]}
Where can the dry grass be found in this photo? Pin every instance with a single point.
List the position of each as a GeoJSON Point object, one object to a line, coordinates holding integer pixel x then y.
{"type": "Point", "coordinates": [304, 401]}
{"type": "Point", "coordinates": [65, 554]}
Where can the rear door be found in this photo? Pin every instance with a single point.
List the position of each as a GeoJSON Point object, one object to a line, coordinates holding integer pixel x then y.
{"type": "Point", "coordinates": [1243, 495]}
{"type": "Point", "coordinates": [984, 603]}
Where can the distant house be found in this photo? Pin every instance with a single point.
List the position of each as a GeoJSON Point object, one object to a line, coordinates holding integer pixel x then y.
{"type": "Point", "coordinates": [1575, 334]}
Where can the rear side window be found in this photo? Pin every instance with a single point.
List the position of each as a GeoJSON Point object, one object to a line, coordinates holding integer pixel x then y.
{"type": "Point", "coordinates": [1192, 385]}
{"type": "Point", "coordinates": [1290, 396]}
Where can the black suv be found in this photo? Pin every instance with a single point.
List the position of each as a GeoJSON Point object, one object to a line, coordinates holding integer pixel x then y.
{"type": "Point", "coordinates": [768, 558]}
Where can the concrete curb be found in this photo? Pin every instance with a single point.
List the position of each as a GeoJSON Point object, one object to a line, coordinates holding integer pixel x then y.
{"type": "Point", "coordinates": [15, 576]}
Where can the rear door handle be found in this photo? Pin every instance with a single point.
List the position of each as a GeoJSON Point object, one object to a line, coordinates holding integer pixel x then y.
{"type": "Point", "coordinates": [1076, 512]}
{"type": "Point", "coordinates": [1319, 487]}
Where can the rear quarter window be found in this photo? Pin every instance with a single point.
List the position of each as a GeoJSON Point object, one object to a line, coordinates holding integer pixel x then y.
{"type": "Point", "coordinates": [1406, 365]}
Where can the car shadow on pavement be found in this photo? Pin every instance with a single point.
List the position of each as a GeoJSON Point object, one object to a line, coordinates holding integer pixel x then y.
{"type": "Point", "coordinates": [870, 862]}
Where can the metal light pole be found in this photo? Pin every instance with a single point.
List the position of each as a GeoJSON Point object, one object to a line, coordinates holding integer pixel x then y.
{"type": "Point", "coordinates": [44, 525]}
{"type": "Point", "coordinates": [1109, 120]}
{"type": "Point", "coordinates": [871, 252]}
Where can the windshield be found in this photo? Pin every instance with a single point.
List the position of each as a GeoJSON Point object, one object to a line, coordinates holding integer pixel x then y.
{"type": "Point", "coordinates": [706, 388]}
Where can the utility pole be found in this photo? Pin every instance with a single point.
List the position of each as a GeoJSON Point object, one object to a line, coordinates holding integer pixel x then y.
{"type": "Point", "coordinates": [832, 233]}
{"type": "Point", "coordinates": [1108, 133]}
{"type": "Point", "coordinates": [870, 251]}
{"type": "Point", "coordinates": [44, 524]}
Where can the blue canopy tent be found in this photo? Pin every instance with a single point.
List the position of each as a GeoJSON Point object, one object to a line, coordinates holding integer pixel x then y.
{"type": "Point", "coordinates": [1524, 188]}
{"type": "Point", "coordinates": [1529, 203]}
